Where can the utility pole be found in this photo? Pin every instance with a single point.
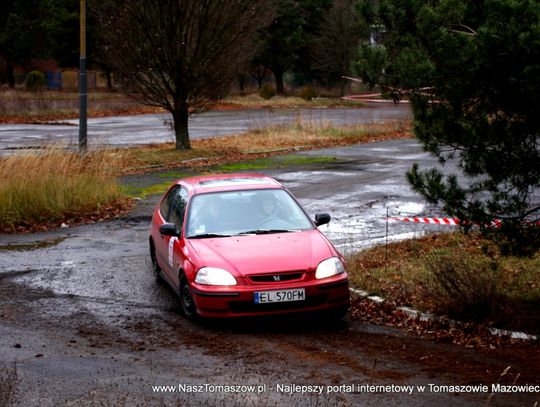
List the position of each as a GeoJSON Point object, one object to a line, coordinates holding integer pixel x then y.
{"type": "Point", "coordinates": [83, 86]}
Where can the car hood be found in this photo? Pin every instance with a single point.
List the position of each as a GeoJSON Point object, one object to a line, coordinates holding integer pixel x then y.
{"type": "Point", "coordinates": [254, 254]}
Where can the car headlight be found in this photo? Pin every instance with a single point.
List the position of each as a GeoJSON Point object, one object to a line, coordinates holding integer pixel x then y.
{"type": "Point", "coordinates": [329, 267]}
{"type": "Point", "coordinates": [214, 276]}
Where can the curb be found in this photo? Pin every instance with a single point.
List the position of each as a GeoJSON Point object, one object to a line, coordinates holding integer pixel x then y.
{"type": "Point", "coordinates": [425, 316]}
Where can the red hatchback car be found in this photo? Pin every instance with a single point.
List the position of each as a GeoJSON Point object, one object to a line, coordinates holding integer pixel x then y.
{"type": "Point", "coordinates": [240, 245]}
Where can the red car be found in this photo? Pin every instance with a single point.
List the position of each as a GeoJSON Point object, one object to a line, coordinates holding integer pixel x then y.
{"type": "Point", "coordinates": [240, 245]}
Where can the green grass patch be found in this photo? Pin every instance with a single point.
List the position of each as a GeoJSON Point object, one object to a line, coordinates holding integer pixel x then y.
{"type": "Point", "coordinates": [173, 175]}
{"type": "Point", "coordinates": [458, 275]}
{"type": "Point", "coordinates": [144, 191]}
{"type": "Point", "coordinates": [141, 191]}
{"type": "Point", "coordinates": [275, 162]}
{"type": "Point", "coordinates": [152, 183]}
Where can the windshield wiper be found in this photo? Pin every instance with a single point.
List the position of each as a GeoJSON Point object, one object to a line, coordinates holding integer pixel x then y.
{"type": "Point", "coordinates": [266, 231]}
{"type": "Point", "coordinates": [207, 235]}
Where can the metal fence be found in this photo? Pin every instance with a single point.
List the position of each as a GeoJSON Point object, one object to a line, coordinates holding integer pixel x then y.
{"type": "Point", "coordinates": [69, 80]}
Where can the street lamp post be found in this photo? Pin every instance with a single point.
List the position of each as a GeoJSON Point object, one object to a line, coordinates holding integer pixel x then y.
{"type": "Point", "coordinates": [83, 86]}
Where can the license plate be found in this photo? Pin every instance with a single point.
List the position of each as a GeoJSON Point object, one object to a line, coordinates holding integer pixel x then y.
{"type": "Point", "coordinates": [264, 297]}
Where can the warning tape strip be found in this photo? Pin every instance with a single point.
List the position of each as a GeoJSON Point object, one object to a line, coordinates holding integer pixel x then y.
{"type": "Point", "coordinates": [438, 221]}
{"type": "Point", "coordinates": [435, 221]}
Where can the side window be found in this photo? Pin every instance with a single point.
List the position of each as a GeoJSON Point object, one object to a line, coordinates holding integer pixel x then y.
{"type": "Point", "coordinates": [167, 202]}
{"type": "Point", "coordinates": [178, 208]}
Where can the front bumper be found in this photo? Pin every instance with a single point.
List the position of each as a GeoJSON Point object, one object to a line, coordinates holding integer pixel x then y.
{"type": "Point", "coordinates": [238, 301]}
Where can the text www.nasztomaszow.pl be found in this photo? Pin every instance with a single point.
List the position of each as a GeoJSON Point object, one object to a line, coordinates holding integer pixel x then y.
{"type": "Point", "coordinates": [210, 388]}
{"type": "Point", "coordinates": [344, 388]}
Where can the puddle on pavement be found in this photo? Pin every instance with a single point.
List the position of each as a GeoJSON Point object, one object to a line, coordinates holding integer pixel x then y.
{"type": "Point", "coordinates": [23, 247]}
{"type": "Point", "coordinates": [360, 226]}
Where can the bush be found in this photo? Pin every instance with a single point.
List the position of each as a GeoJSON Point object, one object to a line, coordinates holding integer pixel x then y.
{"type": "Point", "coordinates": [463, 286]}
{"type": "Point", "coordinates": [308, 93]}
{"type": "Point", "coordinates": [35, 81]}
{"type": "Point", "coordinates": [515, 238]}
{"type": "Point", "coordinates": [267, 91]}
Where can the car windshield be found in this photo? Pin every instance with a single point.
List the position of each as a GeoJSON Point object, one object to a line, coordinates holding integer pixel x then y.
{"type": "Point", "coordinates": [245, 212]}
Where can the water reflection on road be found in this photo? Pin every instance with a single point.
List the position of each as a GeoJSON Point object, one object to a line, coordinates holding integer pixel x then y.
{"type": "Point", "coordinates": [365, 185]}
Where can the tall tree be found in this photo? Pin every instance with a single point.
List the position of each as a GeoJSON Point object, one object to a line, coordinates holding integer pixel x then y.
{"type": "Point", "coordinates": [181, 55]}
{"type": "Point", "coordinates": [61, 20]}
{"type": "Point", "coordinates": [281, 41]}
{"type": "Point", "coordinates": [336, 47]}
{"type": "Point", "coordinates": [472, 72]}
{"type": "Point", "coordinates": [286, 42]}
{"type": "Point", "coordinates": [23, 35]}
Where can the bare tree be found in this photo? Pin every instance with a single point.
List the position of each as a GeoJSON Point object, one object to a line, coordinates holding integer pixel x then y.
{"type": "Point", "coordinates": [181, 55]}
{"type": "Point", "coordinates": [258, 72]}
{"type": "Point", "coordinates": [338, 42]}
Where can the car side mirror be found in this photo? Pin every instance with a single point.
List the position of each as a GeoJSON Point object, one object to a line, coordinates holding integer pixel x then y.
{"type": "Point", "coordinates": [322, 219]}
{"type": "Point", "coordinates": [169, 229]}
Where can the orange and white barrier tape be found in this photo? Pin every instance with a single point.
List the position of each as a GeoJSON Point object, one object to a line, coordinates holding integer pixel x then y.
{"type": "Point", "coordinates": [449, 221]}
{"type": "Point", "coordinates": [439, 221]}
{"type": "Point", "coordinates": [434, 221]}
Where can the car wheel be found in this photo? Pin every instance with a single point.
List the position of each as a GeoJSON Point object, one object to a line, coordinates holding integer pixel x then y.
{"type": "Point", "coordinates": [186, 299]}
{"type": "Point", "coordinates": [156, 270]}
{"type": "Point", "coordinates": [336, 316]}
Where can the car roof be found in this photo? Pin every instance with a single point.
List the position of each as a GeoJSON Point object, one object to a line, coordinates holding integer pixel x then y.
{"type": "Point", "coordinates": [228, 182]}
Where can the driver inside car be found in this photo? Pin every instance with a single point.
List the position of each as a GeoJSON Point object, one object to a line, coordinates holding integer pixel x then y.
{"type": "Point", "coordinates": [267, 207]}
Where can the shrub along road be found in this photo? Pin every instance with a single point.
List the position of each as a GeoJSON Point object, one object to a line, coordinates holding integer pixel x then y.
{"type": "Point", "coordinates": [84, 322]}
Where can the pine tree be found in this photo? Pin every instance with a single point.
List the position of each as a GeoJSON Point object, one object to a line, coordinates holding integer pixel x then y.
{"type": "Point", "coordinates": [472, 72]}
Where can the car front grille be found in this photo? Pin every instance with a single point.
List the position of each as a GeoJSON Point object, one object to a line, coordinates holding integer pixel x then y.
{"type": "Point", "coordinates": [276, 278]}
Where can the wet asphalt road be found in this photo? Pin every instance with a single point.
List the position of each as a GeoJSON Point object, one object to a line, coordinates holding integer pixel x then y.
{"type": "Point", "coordinates": [85, 323]}
{"type": "Point", "coordinates": [156, 128]}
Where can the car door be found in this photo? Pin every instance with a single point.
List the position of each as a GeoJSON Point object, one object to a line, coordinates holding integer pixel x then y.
{"type": "Point", "coordinates": [174, 244]}
{"type": "Point", "coordinates": [161, 242]}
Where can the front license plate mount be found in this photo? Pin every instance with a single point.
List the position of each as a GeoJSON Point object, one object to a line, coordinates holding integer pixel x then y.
{"type": "Point", "coordinates": [268, 297]}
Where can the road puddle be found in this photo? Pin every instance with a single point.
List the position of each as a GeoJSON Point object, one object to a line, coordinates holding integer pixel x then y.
{"type": "Point", "coordinates": [24, 247]}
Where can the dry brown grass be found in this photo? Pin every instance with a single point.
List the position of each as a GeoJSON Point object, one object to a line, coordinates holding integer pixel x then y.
{"type": "Point", "coordinates": [18, 106]}
{"type": "Point", "coordinates": [259, 143]}
{"type": "Point", "coordinates": [55, 185]}
{"type": "Point", "coordinates": [255, 101]}
{"type": "Point", "coordinates": [453, 274]}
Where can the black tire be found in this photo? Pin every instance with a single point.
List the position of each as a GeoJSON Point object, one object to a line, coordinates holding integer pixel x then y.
{"type": "Point", "coordinates": [186, 300]}
{"type": "Point", "coordinates": [156, 270]}
{"type": "Point", "coordinates": [336, 316]}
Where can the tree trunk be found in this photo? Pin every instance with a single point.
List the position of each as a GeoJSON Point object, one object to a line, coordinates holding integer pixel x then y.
{"type": "Point", "coordinates": [342, 87]}
{"type": "Point", "coordinates": [108, 75]}
{"type": "Point", "coordinates": [180, 120]}
{"type": "Point", "coordinates": [10, 74]}
{"type": "Point", "coordinates": [241, 83]}
{"type": "Point", "coordinates": [280, 89]}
